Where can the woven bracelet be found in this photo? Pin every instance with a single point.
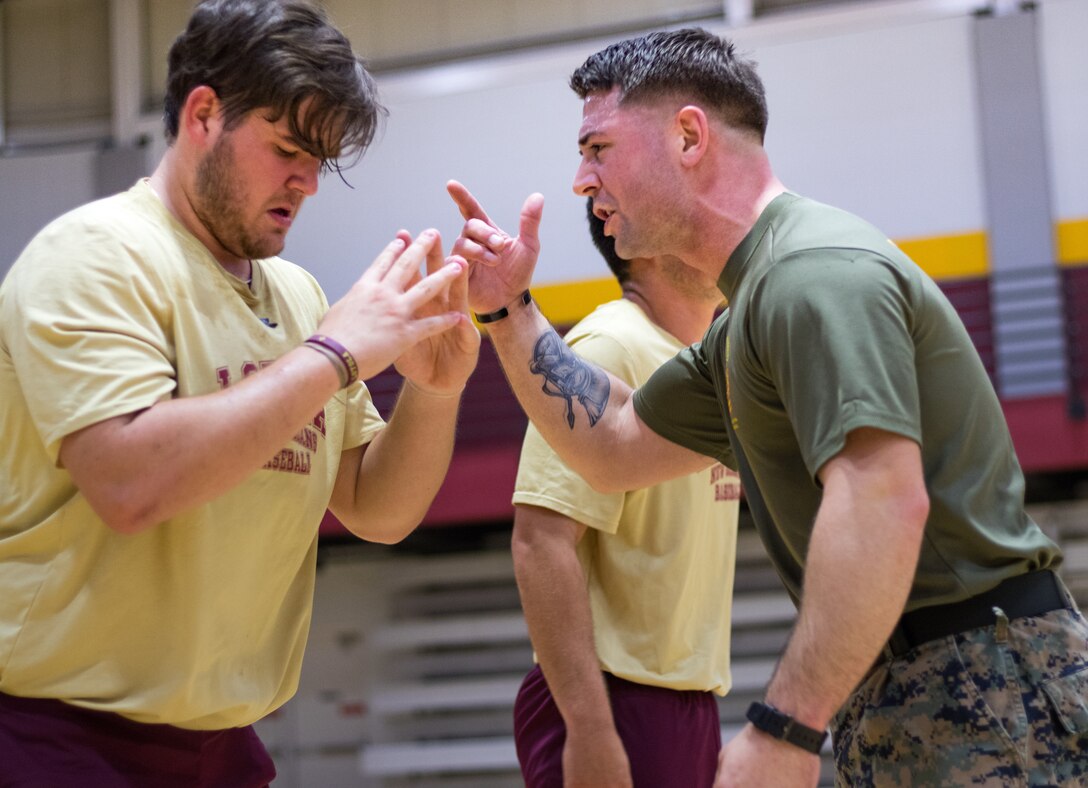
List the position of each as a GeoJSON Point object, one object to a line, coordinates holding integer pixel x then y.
{"type": "Point", "coordinates": [499, 314]}
{"type": "Point", "coordinates": [340, 353]}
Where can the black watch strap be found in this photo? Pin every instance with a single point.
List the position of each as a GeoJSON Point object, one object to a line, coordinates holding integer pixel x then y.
{"type": "Point", "coordinates": [780, 725]}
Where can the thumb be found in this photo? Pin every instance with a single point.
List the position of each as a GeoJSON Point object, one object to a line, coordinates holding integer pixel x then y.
{"type": "Point", "coordinates": [529, 228]}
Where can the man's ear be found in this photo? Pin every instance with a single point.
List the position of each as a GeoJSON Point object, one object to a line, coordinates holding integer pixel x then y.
{"type": "Point", "coordinates": [694, 133]}
{"type": "Point", "coordinates": [201, 116]}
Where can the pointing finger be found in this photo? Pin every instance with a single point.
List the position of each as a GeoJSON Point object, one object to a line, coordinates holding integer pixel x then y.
{"type": "Point", "coordinates": [468, 205]}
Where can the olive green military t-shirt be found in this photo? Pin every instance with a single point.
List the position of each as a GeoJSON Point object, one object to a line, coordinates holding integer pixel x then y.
{"type": "Point", "coordinates": [831, 328]}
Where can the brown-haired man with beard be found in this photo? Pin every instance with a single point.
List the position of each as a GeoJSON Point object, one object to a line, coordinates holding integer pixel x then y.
{"type": "Point", "coordinates": [179, 406]}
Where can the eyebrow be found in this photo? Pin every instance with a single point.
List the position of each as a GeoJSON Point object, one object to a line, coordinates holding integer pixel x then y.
{"type": "Point", "coordinates": [585, 138]}
{"type": "Point", "coordinates": [289, 138]}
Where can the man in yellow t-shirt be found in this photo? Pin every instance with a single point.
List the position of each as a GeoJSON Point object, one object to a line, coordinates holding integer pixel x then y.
{"type": "Point", "coordinates": [179, 406]}
{"type": "Point", "coordinates": [626, 595]}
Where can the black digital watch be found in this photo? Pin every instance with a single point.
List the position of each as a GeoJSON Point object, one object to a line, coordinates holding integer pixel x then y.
{"type": "Point", "coordinates": [773, 722]}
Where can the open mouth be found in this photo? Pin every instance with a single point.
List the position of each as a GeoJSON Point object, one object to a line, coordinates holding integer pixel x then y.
{"type": "Point", "coordinates": [607, 216]}
{"type": "Point", "coordinates": [281, 216]}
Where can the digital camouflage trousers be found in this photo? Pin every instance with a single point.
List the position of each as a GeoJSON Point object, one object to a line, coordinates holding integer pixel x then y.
{"type": "Point", "coordinates": [1005, 705]}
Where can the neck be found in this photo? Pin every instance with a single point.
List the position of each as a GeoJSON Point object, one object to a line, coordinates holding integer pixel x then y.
{"type": "Point", "coordinates": [175, 195]}
{"type": "Point", "coordinates": [730, 203]}
{"type": "Point", "coordinates": [685, 316]}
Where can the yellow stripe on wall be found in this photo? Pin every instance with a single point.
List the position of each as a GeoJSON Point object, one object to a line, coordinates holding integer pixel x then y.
{"type": "Point", "coordinates": [950, 256]}
{"type": "Point", "coordinates": [943, 257]}
{"type": "Point", "coordinates": [1072, 242]}
{"type": "Point", "coordinates": [569, 302]}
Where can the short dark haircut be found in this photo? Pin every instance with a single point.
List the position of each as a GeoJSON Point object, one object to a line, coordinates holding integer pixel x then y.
{"type": "Point", "coordinates": [688, 63]}
{"type": "Point", "coordinates": [277, 55]}
{"type": "Point", "coordinates": [606, 245]}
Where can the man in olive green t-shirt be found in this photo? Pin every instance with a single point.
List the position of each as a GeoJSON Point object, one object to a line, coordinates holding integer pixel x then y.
{"type": "Point", "coordinates": [932, 634]}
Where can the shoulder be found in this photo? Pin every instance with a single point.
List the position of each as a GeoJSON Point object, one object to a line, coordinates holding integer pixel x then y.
{"type": "Point", "coordinates": [822, 252]}
{"type": "Point", "coordinates": [105, 238]}
{"type": "Point", "coordinates": [806, 225]}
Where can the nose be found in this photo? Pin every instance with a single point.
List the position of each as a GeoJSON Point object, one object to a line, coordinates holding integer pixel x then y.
{"type": "Point", "coordinates": [305, 177]}
{"type": "Point", "coordinates": [586, 181]}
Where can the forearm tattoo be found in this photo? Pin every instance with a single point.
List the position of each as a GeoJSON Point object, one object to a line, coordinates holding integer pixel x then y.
{"type": "Point", "coordinates": [566, 375]}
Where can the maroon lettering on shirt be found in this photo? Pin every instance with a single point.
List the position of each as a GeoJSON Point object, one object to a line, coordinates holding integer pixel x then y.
{"type": "Point", "coordinates": [725, 482]}
{"type": "Point", "coordinates": [288, 460]}
{"type": "Point", "coordinates": [319, 421]}
{"type": "Point", "coordinates": [307, 439]}
{"type": "Point", "coordinates": [291, 461]}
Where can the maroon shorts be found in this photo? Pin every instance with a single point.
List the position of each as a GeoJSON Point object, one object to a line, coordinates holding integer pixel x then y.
{"type": "Point", "coordinates": [46, 743]}
{"type": "Point", "coordinates": [671, 737]}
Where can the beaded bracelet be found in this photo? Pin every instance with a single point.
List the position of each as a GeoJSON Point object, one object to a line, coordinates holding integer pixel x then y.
{"type": "Point", "coordinates": [339, 354]}
{"type": "Point", "coordinates": [499, 314]}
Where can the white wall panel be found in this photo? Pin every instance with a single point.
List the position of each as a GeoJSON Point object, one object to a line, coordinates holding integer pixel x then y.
{"type": "Point", "coordinates": [872, 108]}
{"type": "Point", "coordinates": [35, 190]}
{"type": "Point", "coordinates": [880, 120]}
{"type": "Point", "coordinates": [1064, 27]}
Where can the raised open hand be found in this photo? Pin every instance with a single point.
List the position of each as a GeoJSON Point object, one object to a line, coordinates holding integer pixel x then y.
{"type": "Point", "coordinates": [501, 265]}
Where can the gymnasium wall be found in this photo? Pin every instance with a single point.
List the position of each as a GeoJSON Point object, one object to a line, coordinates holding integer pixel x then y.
{"type": "Point", "coordinates": [873, 108]}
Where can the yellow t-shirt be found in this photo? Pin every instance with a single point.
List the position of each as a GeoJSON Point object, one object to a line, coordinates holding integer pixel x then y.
{"type": "Point", "coordinates": [200, 621]}
{"type": "Point", "coordinates": [659, 562]}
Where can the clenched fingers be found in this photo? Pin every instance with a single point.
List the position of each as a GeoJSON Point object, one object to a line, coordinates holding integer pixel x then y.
{"type": "Point", "coordinates": [435, 284]}
{"type": "Point", "coordinates": [399, 262]}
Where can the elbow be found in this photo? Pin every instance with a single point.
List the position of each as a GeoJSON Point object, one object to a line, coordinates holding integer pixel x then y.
{"type": "Point", "coordinates": [602, 480]}
{"type": "Point", "coordinates": [522, 547]}
{"type": "Point", "coordinates": [387, 538]}
{"type": "Point", "coordinates": [918, 507]}
{"type": "Point", "coordinates": [379, 531]}
{"type": "Point", "coordinates": [122, 513]}
{"type": "Point", "coordinates": [912, 510]}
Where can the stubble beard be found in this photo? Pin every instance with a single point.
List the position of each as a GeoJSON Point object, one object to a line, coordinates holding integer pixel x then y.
{"type": "Point", "coordinates": [221, 199]}
{"type": "Point", "coordinates": [689, 281]}
{"type": "Point", "coordinates": [647, 238]}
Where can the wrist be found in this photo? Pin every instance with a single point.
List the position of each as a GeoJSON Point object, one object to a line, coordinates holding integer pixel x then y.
{"type": "Point", "coordinates": [433, 394]}
{"type": "Point", "coordinates": [338, 355]}
{"type": "Point", "coordinates": [777, 724]}
{"type": "Point", "coordinates": [503, 312]}
{"type": "Point", "coordinates": [589, 722]}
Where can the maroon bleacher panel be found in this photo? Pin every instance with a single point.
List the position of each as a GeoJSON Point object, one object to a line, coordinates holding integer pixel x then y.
{"type": "Point", "coordinates": [971, 298]}
{"type": "Point", "coordinates": [489, 411]}
{"type": "Point", "coordinates": [481, 477]}
{"type": "Point", "coordinates": [1051, 433]}
{"type": "Point", "coordinates": [1075, 287]}
{"type": "Point", "coordinates": [490, 429]}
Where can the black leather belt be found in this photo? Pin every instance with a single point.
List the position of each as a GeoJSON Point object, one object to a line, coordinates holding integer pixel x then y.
{"type": "Point", "coordinates": [1030, 594]}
